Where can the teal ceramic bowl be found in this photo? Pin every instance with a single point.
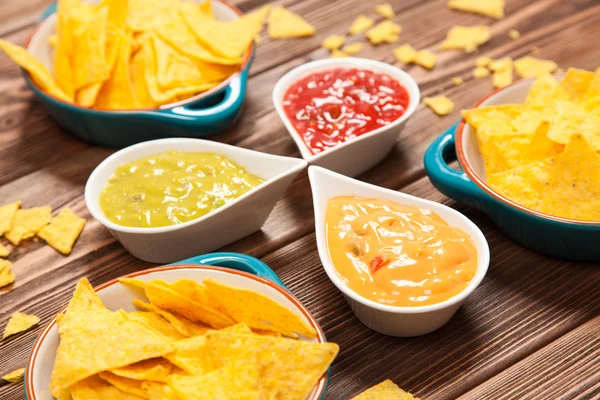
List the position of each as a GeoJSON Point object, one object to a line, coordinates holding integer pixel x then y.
{"type": "Point", "coordinates": [553, 236]}
{"type": "Point", "coordinates": [205, 114]}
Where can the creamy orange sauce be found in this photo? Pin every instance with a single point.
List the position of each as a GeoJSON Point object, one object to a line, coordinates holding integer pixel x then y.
{"type": "Point", "coordinates": [397, 255]}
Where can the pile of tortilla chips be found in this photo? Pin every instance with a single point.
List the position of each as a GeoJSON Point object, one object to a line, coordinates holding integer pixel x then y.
{"type": "Point", "coordinates": [543, 154]}
{"type": "Point", "coordinates": [190, 341]}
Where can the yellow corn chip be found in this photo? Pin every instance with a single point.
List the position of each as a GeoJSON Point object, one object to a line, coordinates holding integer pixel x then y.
{"type": "Point", "coordinates": [489, 8]}
{"type": "Point", "coordinates": [27, 222]}
{"type": "Point", "coordinates": [339, 54]}
{"type": "Point", "coordinates": [138, 81]}
{"type": "Point", "coordinates": [18, 323]}
{"type": "Point", "coordinates": [466, 38]}
{"type": "Point", "coordinates": [530, 66]}
{"type": "Point", "coordinates": [117, 11]}
{"type": "Point", "coordinates": [570, 119]}
{"type": "Point", "coordinates": [7, 213]}
{"type": "Point", "coordinates": [86, 96]}
{"type": "Point", "coordinates": [514, 34]}
{"type": "Point", "coordinates": [360, 24]}
{"type": "Point", "coordinates": [441, 105]}
{"type": "Point", "coordinates": [4, 252]}
{"type": "Point", "coordinates": [425, 59]}
{"type": "Point", "coordinates": [523, 184]}
{"type": "Point", "coordinates": [543, 91]}
{"type": "Point", "coordinates": [405, 54]}
{"type": "Point", "coordinates": [384, 32]}
{"type": "Point", "coordinates": [133, 282]}
{"type": "Point", "coordinates": [182, 325]}
{"type": "Point", "coordinates": [483, 61]}
{"type": "Point", "coordinates": [63, 71]}
{"type": "Point", "coordinates": [53, 40]}
{"type": "Point", "coordinates": [353, 48]}
{"type": "Point", "coordinates": [385, 390]}
{"type": "Point", "coordinates": [257, 310]}
{"type": "Point", "coordinates": [333, 42]}
{"type": "Point", "coordinates": [173, 69]}
{"type": "Point", "coordinates": [40, 75]}
{"type": "Point", "coordinates": [156, 322]}
{"type": "Point", "coordinates": [126, 385]}
{"type": "Point", "coordinates": [88, 334]}
{"type": "Point", "coordinates": [63, 231]}
{"type": "Point", "coordinates": [493, 119]}
{"type": "Point", "coordinates": [89, 51]}
{"type": "Point", "coordinates": [154, 369]}
{"type": "Point", "coordinates": [457, 81]}
{"type": "Point", "coordinates": [94, 388]}
{"type": "Point", "coordinates": [158, 391]}
{"type": "Point", "coordinates": [189, 355]}
{"type": "Point", "coordinates": [573, 189]}
{"type": "Point", "coordinates": [502, 76]}
{"type": "Point", "coordinates": [6, 276]}
{"type": "Point", "coordinates": [385, 10]}
{"type": "Point", "coordinates": [591, 101]}
{"type": "Point", "coordinates": [284, 24]}
{"type": "Point", "coordinates": [576, 83]}
{"type": "Point", "coordinates": [206, 10]}
{"type": "Point", "coordinates": [481, 72]}
{"type": "Point", "coordinates": [14, 376]}
{"type": "Point", "coordinates": [146, 15]}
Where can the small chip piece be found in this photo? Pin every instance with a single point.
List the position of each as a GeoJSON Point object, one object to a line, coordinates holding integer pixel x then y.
{"type": "Point", "coordinates": [457, 81]}
{"type": "Point", "coordinates": [576, 83]}
{"type": "Point", "coordinates": [353, 48]}
{"type": "Point", "coordinates": [4, 252]}
{"type": "Point", "coordinates": [543, 91]}
{"type": "Point", "coordinates": [502, 78]}
{"type": "Point", "coordinates": [133, 282]}
{"type": "Point", "coordinates": [529, 66]}
{"type": "Point", "coordinates": [28, 222]}
{"type": "Point", "coordinates": [14, 376]}
{"type": "Point", "coordinates": [18, 323]}
{"type": "Point", "coordinates": [333, 42]}
{"type": "Point", "coordinates": [483, 61]}
{"type": "Point", "coordinates": [7, 213]}
{"type": "Point", "coordinates": [500, 64]}
{"type": "Point", "coordinates": [489, 8]}
{"type": "Point", "coordinates": [339, 54]}
{"type": "Point", "coordinates": [385, 10]}
{"type": "Point", "coordinates": [466, 38]}
{"type": "Point", "coordinates": [514, 34]}
{"type": "Point", "coordinates": [385, 390]}
{"type": "Point", "coordinates": [405, 54]}
{"type": "Point", "coordinates": [6, 276]}
{"type": "Point", "coordinates": [441, 105]}
{"type": "Point", "coordinates": [384, 32]}
{"type": "Point", "coordinates": [284, 24]}
{"type": "Point", "coordinates": [360, 24]}
{"type": "Point", "coordinates": [425, 59]}
{"type": "Point", "coordinates": [63, 231]}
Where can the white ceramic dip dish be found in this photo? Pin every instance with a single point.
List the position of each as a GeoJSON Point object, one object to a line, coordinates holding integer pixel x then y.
{"type": "Point", "coordinates": [235, 220]}
{"type": "Point", "coordinates": [386, 319]}
{"type": "Point", "coordinates": [357, 155]}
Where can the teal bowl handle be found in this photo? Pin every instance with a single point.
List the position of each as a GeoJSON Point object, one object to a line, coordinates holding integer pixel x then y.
{"type": "Point", "coordinates": [454, 184]}
{"type": "Point", "coordinates": [240, 262]}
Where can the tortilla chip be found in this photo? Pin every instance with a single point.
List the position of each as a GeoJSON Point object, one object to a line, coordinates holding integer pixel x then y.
{"type": "Point", "coordinates": [154, 369]}
{"type": "Point", "coordinates": [63, 231]}
{"type": "Point", "coordinates": [426, 59]}
{"type": "Point", "coordinates": [570, 119]}
{"type": "Point", "coordinates": [189, 355]}
{"type": "Point", "coordinates": [126, 385]}
{"type": "Point", "coordinates": [575, 84]}
{"type": "Point", "coordinates": [4, 252]}
{"type": "Point", "coordinates": [483, 61]}
{"type": "Point", "coordinates": [146, 15]}
{"type": "Point", "coordinates": [27, 222]}
{"type": "Point", "coordinates": [39, 73]}
{"type": "Point", "coordinates": [405, 54]}
{"type": "Point", "coordinates": [514, 34]}
{"type": "Point", "coordinates": [353, 48]}
{"type": "Point", "coordinates": [18, 323]}
{"type": "Point", "coordinates": [88, 334]}
{"type": "Point", "coordinates": [133, 282]}
{"type": "Point", "coordinates": [7, 213]}
{"type": "Point", "coordinates": [543, 90]}
{"type": "Point", "coordinates": [489, 8]}
{"type": "Point", "coordinates": [502, 78]}
{"type": "Point", "coordinates": [339, 54]}
{"type": "Point", "coordinates": [63, 71]}
{"type": "Point", "coordinates": [14, 376]}
{"type": "Point", "coordinates": [384, 32]}
{"type": "Point", "coordinates": [173, 69]}
{"type": "Point", "coordinates": [156, 322]}
{"type": "Point", "coordinates": [481, 72]}
{"type": "Point", "coordinates": [94, 388]}
{"type": "Point", "coordinates": [360, 24]}
{"type": "Point", "coordinates": [441, 105]}
{"type": "Point", "coordinates": [158, 391]}
{"type": "Point", "coordinates": [384, 391]}
{"type": "Point", "coordinates": [466, 38]}
{"type": "Point", "coordinates": [529, 66]}
{"type": "Point", "coordinates": [385, 10]}
{"type": "Point", "coordinates": [333, 42]}
{"type": "Point", "coordinates": [89, 51]}
{"type": "Point", "coordinates": [117, 11]}
{"type": "Point", "coordinates": [257, 310]}
{"type": "Point", "coordinates": [6, 276]}
{"type": "Point", "coordinates": [138, 81]}
{"type": "Point", "coordinates": [182, 325]}
{"type": "Point", "coordinates": [284, 24]}
{"type": "Point", "coordinates": [457, 81]}
{"type": "Point", "coordinates": [573, 189]}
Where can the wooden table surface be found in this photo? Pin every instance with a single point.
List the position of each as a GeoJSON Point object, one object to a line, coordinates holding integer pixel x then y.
{"type": "Point", "coordinates": [530, 331]}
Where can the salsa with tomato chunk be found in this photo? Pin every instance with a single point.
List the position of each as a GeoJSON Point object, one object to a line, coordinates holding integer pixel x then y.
{"type": "Point", "coordinates": [333, 106]}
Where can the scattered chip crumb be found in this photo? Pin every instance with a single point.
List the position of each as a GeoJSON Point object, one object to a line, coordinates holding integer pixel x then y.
{"type": "Point", "coordinates": [339, 54]}
{"type": "Point", "coordinates": [425, 59]}
{"type": "Point", "coordinates": [63, 231]}
{"type": "Point", "coordinates": [14, 376]}
{"type": "Point", "coordinates": [466, 38]}
{"type": "Point", "coordinates": [7, 213]}
{"type": "Point", "coordinates": [405, 54]}
{"type": "Point", "coordinates": [559, 71]}
{"type": "Point", "coordinates": [385, 10]}
{"type": "Point", "coordinates": [481, 72]}
{"type": "Point", "coordinates": [457, 81]}
{"type": "Point", "coordinates": [18, 323]}
{"type": "Point", "coordinates": [502, 78]}
{"type": "Point", "coordinates": [4, 252]}
{"type": "Point", "coordinates": [361, 24]}
{"type": "Point", "coordinates": [6, 276]}
{"type": "Point", "coordinates": [483, 61]}
{"type": "Point", "coordinates": [529, 66]}
{"type": "Point", "coordinates": [500, 64]}
{"type": "Point", "coordinates": [353, 48]}
{"type": "Point", "coordinates": [333, 42]}
{"type": "Point", "coordinates": [27, 222]}
{"type": "Point", "coordinates": [488, 8]}
{"type": "Point", "coordinates": [384, 32]}
{"type": "Point", "coordinates": [514, 34]}
{"type": "Point", "coordinates": [441, 105]}
{"type": "Point", "coordinates": [284, 24]}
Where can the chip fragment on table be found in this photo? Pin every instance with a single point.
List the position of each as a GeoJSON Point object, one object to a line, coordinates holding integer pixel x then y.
{"type": "Point", "coordinates": [384, 32]}
{"type": "Point", "coordinates": [333, 42]}
{"type": "Point", "coordinates": [385, 10]}
{"type": "Point", "coordinates": [386, 390]}
{"type": "Point", "coordinates": [284, 24]}
{"type": "Point", "coordinates": [4, 252]}
{"type": "Point", "coordinates": [361, 24]}
{"type": "Point", "coordinates": [63, 230]}
{"type": "Point", "coordinates": [405, 54]}
{"type": "Point", "coordinates": [27, 222]}
{"type": "Point", "coordinates": [18, 323]}
{"type": "Point", "coordinates": [441, 105]}
{"type": "Point", "coordinates": [6, 276]}
{"type": "Point", "coordinates": [14, 376]}
{"type": "Point", "coordinates": [339, 54]}
{"type": "Point", "coordinates": [353, 48]}
{"type": "Point", "coordinates": [488, 8]}
{"type": "Point", "coordinates": [7, 213]}
{"type": "Point", "coordinates": [425, 59]}
{"type": "Point", "coordinates": [466, 38]}
{"type": "Point", "coordinates": [514, 34]}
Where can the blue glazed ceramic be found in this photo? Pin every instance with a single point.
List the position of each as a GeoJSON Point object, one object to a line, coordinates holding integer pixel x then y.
{"type": "Point", "coordinates": [553, 236]}
{"type": "Point", "coordinates": [203, 115]}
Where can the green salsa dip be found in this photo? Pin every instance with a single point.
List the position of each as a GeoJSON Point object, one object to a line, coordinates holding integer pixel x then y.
{"type": "Point", "coordinates": [172, 188]}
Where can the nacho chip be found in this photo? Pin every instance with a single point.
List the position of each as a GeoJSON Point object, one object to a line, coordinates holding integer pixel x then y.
{"type": "Point", "coordinates": [483, 61]}
{"type": "Point", "coordinates": [353, 48]}
{"type": "Point", "coordinates": [457, 81]}
{"type": "Point", "coordinates": [4, 252]}
{"type": "Point", "coordinates": [466, 38]}
{"type": "Point", "coordinates": [576, 83]}
{"type": "Point", "coordinates": [182, 325]}
{"type": "Point", "coordinates": [543, 90]}
{"type": "Point", "coordinates": [570, 119]}
{"type": "Point", "coordinates": [7, 213]}
{"type": "Point", "coordinates": [156, 322]}
{"type": "Point", "coordinates": [405, 54]}
{"type": "Point", "coordinates": [158, 391]}
{"type": "Point", "coordinates": [27, 222]}
{"type": "Point", "coordinates": [360, 24]}
{"type": "Point", "coordinates": [14, 376]}
{"type": "Point", "coordinates": [488, 8]}
{"type": "Point", "coordinates": [146, 15]}
{"type": "Point", "coordinates": [284, 24]}
{"type": "Point", "coordinates": [117, 11]}
{"type": "Point", "coordinates": [384, 32]}
{"type": "Point", "coordinates": [333, 42]}
{"type": "Point", "coordinates": [339, 54]}
{"type": "Point", "coordinates": [6, 276]}
{"type": "Point", "coordinates": [257, 310]}
{"type": "Point", "coordinates": [502, 78]}
{"type": "Point", "coordinates": [206, 10]}
{"type": "Point", "coordinates": [173, 69]}
{"type": "Point", "coordinates": [39, 73]}
{"type": "Point", "coordinates": [493, 119]}
{"type": "Point", "coordinates": [63, 71]}
{"type": "Point", "coordinates": [63, 231]}
{"type": "Point", "coordinates": [133, 282]}
{"type": "Point", "coordinates": [529, 66]}
{"type": "Point", "coordinates": [154, 369]}
{"type": "Point", "coordinates": [189, 355]}
{"type": "Point", "coordinates": [88, 334]}
{"type": "Point", "coordinates": [514, 34]}
{"type": "Point", "coordinates": [94, 388]}
{"type": "Point", "coordinates": [18, 323]}
{"type": "Point", "coordinates": [523, 184]}
{"type": "Point", "coordinates": [138, 81]}
{"type": "Point", "coordinates": [425, 59]}
{"type": "Point", "coordinates": [385, 390]}
{"type": "Point", "coordinates": [126, 385]}
{"type": "Point", "coordinates": [481, 72]}
{"type": "Point", "coordinates": [385, 10]}
{"type": "Point", "coordinates": [441, 105]}
{"type": "Point", "coordinates": [591, 101]}
{"type": "Point", "coordinates": [89, 51]}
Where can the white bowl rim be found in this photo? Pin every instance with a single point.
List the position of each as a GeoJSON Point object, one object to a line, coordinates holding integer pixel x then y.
{"type": "Point", "coordinates": [300, 71]}
{"type": "Point", "coordinates": [483, 251]}
{"type": "Point", "coordinates": [319, 387]}
{"type": "Point", "coordinates": [96, 211]}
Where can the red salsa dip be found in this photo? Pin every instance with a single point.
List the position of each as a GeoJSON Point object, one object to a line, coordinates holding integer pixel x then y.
{"type": "Point", "coordinates": [336, 105]}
